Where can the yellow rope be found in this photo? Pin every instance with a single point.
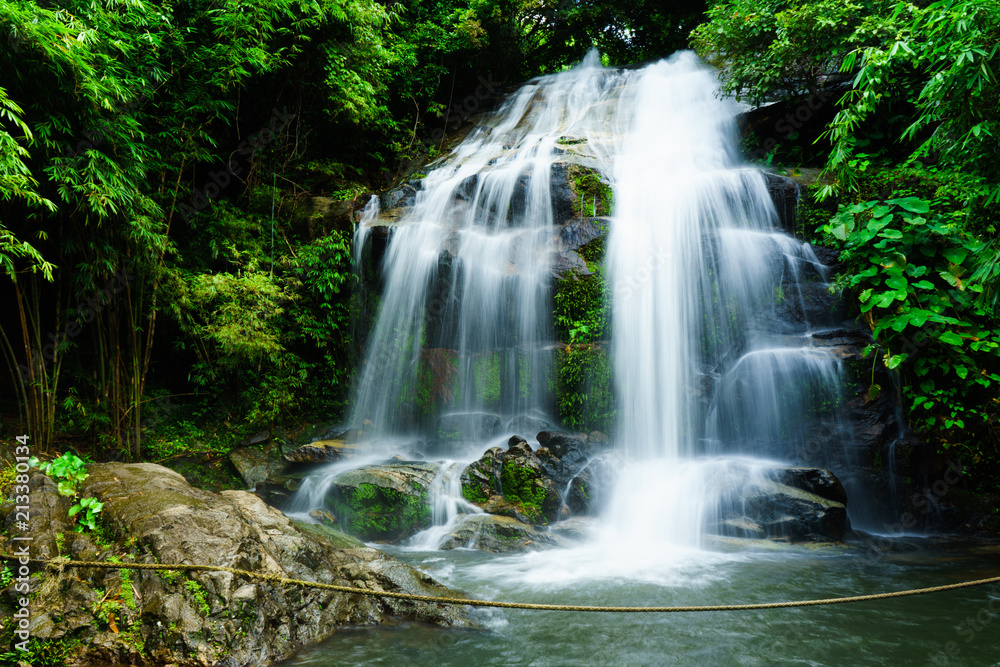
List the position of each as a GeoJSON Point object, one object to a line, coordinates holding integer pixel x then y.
{"type": "Point", "coordinates": [61, 563]}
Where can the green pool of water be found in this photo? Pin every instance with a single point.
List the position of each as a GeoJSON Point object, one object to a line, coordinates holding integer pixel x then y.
{"type": "Point", "coordinates": [952, 628]}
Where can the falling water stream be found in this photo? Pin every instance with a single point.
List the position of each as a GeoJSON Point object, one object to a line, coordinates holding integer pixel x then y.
{"type": "Point", "coordinates": [718, 379]}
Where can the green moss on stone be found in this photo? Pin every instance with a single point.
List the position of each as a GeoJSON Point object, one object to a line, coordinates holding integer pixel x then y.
{"type": "Point", "coordinates": [594, 197]}
{"type": "Point", "coordinates": [585, 397]}
{"type": "Point", "coordinates": [521, 486]}
{"type": "Point", "coordinates": [486, 376]}
{"type": "Point", "coordinates": [474, 494]}
{"type": "Point", "coordinates": [380, 513]}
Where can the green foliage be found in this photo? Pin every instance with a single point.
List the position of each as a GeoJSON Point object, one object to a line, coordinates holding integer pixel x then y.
{"type": "Point", "coordinates": [89, 508]}
{"type": "Point", "coordinates": [935, 76]}
{"type": "Point", "coordinates": [594, 197]}
{"type": "Point", "coordinates": [67, 470]}
{"type": "Point", "coordinates": [521, 485]}
{"type": "Point", "coordinates": [200, 596]}
{"type": "Point", "coordinates": [784, 47]}
{"type": "Point", "coordinates": [626, 31]}
{"type": "Point", "coordinates": [374, 512]}
{"type": "Point", "coordinates": [41, 652]}
{"type": "Point", "coordinates": [584, 387]}
{"type": "Point", "coordinates": [581, 309]}
{"type": "Point", "coordinates": [908, 260]}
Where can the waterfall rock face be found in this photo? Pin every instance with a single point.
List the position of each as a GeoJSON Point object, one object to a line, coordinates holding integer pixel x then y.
{"type": "Point", "coordinates": [200, 618]}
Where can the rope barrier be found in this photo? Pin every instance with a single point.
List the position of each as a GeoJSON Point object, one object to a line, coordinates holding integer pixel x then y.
{"type": "Point", "coordinates": [61, 564]}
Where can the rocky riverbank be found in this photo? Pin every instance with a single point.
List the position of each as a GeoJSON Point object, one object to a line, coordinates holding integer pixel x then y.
{"type": "Point", "coordinates": [152, 515]}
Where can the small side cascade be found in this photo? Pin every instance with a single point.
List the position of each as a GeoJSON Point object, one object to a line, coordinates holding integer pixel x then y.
{"type": "Point", "coordinates": [448, 506]}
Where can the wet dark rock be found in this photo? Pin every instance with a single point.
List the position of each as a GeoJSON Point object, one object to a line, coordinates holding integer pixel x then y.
{"type": "Point", "coordinates": [383, 502]}
{"type": "Point", "coordinates": [818, 481]}
{"type": "Point", "coordinates": [512, 483]}
{"type": "Point", "coordinates": [518, 441]}
{"type": "Point", "coordinates": [499, 534]}
{"type": "Point", "coordinates": [202, 618]}
{"type": "Point", "coordinates": [785, 195]}
{"type": "Point", "coordinates": [402, 195]}
{"type": "Point", "coordinates": [321, 451]}
{"type": "Point", "coordinates": [781, 511]}
{"type": "Point", "coordinates": [580, 232]}
{"type": "Point", "coordinates": [575, 445]}
{"type": "Point", "coordinates": [279, 489]}
{"type": "Point", "coordinates": [256, 439]}
{"type": "Point", "coordinates": [568, 262]}
{"type": "Point", "coordinates": [563, 196]}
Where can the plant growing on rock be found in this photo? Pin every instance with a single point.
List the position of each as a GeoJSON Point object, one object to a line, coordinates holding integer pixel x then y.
{"type": "Point", "coordinates": [68, 471]}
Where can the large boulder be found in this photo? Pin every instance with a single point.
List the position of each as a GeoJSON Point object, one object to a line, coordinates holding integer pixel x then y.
{"type": "Point", "coordinates": [383, 502]}
{"type": "Point", "coordinates": [256, 464]}
{"type": "Point", "coordinates": [515, 483]}
{"type": "Point", "coordinates": [774, 510]}
{"type": "Point", "coordinates": [818, 481]}
{"type": "Point", "coordinates": [321, 451]}
{"type": "Point", "coordinates": [97, 616]}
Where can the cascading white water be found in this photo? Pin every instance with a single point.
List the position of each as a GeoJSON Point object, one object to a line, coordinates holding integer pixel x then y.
{"type": "Point", "coordinates": [448, 506]}
{"type": "Point", "coordinates": [466, 277]}
{"type": "Point", "coordinates": [697, 268]}
{"type": "Point", "coordinates": [715, 371]}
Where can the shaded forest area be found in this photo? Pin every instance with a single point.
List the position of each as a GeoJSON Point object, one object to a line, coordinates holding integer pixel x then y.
{"type": "Point", "coordinates": [168, 291]}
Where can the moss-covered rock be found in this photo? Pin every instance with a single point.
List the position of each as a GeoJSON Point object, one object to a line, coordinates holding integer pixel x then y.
{"type": "Point", "coordinates": [512, 483]}
{"type": "Point", "coordinates": [592, 194]}
{"type": "Point", "coordinates": [383, 502]}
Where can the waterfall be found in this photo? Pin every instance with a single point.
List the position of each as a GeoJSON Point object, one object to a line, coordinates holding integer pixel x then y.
{"type": "Point", "coordinates": [699, 272]}
{"type": "Point", "coordinates": [717, 375]}
{"type": "Point", "coordinates": [465, 318]}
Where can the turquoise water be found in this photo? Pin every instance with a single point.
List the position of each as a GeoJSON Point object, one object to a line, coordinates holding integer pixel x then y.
{"type": "Point", "coordinates": [952, 628]}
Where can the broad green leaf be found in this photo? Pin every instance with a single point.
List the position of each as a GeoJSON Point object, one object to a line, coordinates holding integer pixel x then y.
{"type": "Point", "coordinates": [898, 283]}
{"type": "Point", "coordinates": [911, 204]}
{"type": "Point", "coordinates": [951, 338]}
{"type": "Point", "coordinates": [956, 255]}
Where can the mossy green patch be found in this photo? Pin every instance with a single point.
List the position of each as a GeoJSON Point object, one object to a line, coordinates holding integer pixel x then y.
{"type": "Point", "coordinates": [584, 384]}
{"type": "Point", "coordinates": [374, 512]}
{"type": "Point", "coordinates": [594, 196]}
{"type": "Point", "coordinates": [486, 376]}
{"type": "Point", "coordinates": [521, 485]}
{"type": "Point", "coordinates": [581, 314]}
{"type": "Point", "coordinates": [474, 494]}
